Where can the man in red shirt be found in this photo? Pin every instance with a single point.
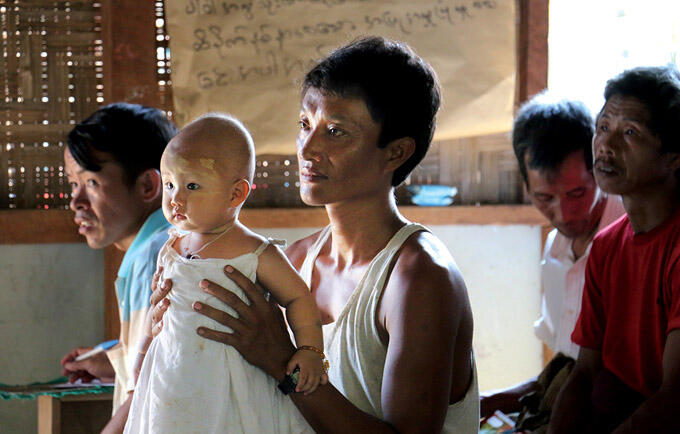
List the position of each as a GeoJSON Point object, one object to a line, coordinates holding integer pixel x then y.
{"type": "Point", "coordinates": [627, 377]}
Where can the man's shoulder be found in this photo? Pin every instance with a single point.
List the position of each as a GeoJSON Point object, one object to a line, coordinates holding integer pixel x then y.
{"type": "Point", "coordinates": [557, 245]}
{"type": "Point", "coordinates": [613, 233]}
{"type": "Point", "coordinates": [425, 280]}
{"type": "Point", "coordinates": [425, 248]}
{"type": "Point", "coordinates": [424, 261]}
{"type": "Point", "coordinates": [155, 243]}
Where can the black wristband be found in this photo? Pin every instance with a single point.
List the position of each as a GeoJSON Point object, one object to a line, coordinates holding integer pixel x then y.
{"type": "Point", "coordinates": [289, 382]}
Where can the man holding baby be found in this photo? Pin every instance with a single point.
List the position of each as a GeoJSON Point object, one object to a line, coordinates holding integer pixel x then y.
{"type": "Point", "coordinates": [397, 323]}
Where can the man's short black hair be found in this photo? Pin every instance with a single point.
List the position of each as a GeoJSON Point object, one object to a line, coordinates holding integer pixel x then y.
{"type": "Point", "coordinates": [399, 88]}
{"type": "Point", "coordinates": [548, 132]}
{"type": "Point", "coordinates": [134, 135]}
{"type": "Point", "coordinates": [658, 88]}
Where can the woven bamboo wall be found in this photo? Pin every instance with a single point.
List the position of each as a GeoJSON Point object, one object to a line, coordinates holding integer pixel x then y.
{"type": "Point", "coordinates": [484, 170]}
{"type": "Point", "coordinates": [51, 76]}
{"type": "Point", "coordinates": [163, 63]}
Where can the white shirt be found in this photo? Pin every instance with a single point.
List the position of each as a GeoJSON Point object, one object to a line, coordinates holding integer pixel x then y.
{"type": "Point", "coordinates": [563, 278]}
{"type": "Point", "coordinates": [355, 350]}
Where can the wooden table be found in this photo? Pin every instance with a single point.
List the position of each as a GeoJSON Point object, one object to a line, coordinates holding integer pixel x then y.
{"type": "Point", "coordinates": [73, 414]}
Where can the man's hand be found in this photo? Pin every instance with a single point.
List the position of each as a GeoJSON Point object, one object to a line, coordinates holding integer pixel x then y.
{"type": "Point", "coordinates": [259, 333]}
{"type": "Point", "coordinates": [505, 400]}
{"type": "Point", "coordinates": [97, 366]}
{"type": "Point", "coordinates": [572, 410]}
{"type": "Point", "coordinates": [117, 423]}
{"type": "Point", "coordinates": [659, 412]}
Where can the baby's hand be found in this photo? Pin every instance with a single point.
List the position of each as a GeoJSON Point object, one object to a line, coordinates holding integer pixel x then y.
{"type": "Point", "coordinates": [312, 366]}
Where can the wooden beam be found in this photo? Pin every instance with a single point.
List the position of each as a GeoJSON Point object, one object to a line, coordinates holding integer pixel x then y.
{"type": "Point", "coordinates": [451, 215]}
{"type": "Point", "coordinates": [532, 62]}
{"type": "Point", "coordinates": [28, 226]}
{"type": "Point", "coordinates": [56, 226]}
{"type": "Point", "coordinates": [497, 215]}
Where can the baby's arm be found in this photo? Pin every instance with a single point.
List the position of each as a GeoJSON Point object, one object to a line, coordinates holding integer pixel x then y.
{"type": "Point", "coordinates": [290, 291]}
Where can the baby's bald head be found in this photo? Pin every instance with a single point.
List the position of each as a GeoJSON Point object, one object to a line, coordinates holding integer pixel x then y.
{"type": "Point", "coordinates": [220, 142]}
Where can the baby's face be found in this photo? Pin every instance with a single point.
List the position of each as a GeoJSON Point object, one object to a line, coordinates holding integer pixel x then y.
{"type": "Point", "coordinates": [196, 196]}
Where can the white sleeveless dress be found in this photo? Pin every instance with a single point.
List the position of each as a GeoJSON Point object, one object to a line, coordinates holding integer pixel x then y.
{"type": "Point", "coordinates": [189, 384]}
{"type": "Point", "coordinates": [353, 346]}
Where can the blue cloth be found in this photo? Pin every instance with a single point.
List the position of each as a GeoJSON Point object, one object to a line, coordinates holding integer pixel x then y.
{"type": "Point", "coordinates": [133, 284]}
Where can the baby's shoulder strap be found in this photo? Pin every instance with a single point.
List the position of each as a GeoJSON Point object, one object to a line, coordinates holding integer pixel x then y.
{"type": "Point", "coordinates": [267, 242]}
{"type": "Point", "coordinates": [261, 248]}
{"type": "Point", "coordinates": [174, 233]}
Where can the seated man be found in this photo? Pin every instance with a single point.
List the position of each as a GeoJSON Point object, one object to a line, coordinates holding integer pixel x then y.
{"type": "Point", "coordinates": [626, 377]}
{"type": "Point", "coordinates": [112, 164]}
{"type": "Point", "coordinates": [552, 142]}
{"type": "Point", "coordinates": [398, 325]}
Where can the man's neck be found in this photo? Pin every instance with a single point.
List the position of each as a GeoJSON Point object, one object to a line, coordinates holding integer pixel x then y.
{"type": "Point", "coordinates": [647, 210]}
{"type": "Point", "coordinates": [361, 228]}
{"type": "Point", "coordinates": [579, 244]}
{"type": "Point", "coordinates": [124, 243]}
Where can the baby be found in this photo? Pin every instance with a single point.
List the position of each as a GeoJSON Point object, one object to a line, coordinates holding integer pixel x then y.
{"type": "Point", "coordinates": [190, 384]}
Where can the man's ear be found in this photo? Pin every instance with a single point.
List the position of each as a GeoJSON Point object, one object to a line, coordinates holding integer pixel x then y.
{"type": "Point", "coordinates": [239, 193]}
{"type": "Point", "coordinates": [399, 151]}
{"type": "Point", "coordinates": [148, 185]}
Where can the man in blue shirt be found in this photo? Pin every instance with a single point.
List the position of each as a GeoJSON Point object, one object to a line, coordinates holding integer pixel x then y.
{"type": "Point", "coordinates": [112, 164]}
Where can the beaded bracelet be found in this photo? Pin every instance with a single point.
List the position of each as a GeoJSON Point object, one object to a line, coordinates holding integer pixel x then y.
{"type": "Point", "coordinates": [312, 348]}
{"type": "Point", "coordinates": [324, 360]}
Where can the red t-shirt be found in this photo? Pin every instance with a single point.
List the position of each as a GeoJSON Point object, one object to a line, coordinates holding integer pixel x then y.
{"type": "Point", "coordinates": [631, 300]}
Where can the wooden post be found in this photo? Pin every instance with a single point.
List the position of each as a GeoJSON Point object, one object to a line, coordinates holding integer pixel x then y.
{"type": "Point", "coordinates": [112, 259]}
{"type": "Point", "coordinates": [129, 32]}
{"type": "Point", "coordinates": [49, 415]}
{"type": "Point", "coordinates": [532, 74]}
{"type": "Point", "coordinates": [532, 40]}
{"type": "Point", "coordinates": [130, 75]}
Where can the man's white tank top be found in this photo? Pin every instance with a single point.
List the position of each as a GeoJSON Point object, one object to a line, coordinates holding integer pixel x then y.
{"type": "Point", "coordinates": [353, 346]}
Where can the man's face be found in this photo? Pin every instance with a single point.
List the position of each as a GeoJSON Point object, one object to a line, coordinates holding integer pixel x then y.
{"type": "Point", "coordinates": [627, 153]}
{"type": "Point", "coordinates": [107, 209]}
{"type": "Point", "coordinates": [337, 150]}
{"type": "Point", "coordinates": [567, 196]}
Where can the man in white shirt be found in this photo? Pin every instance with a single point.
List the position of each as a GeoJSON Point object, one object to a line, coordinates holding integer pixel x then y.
{"type": "Point", "coordinates": [552, 143]}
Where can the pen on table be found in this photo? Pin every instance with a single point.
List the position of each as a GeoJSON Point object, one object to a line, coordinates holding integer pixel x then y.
{"type": "Point", "coordinates": [97, 349]}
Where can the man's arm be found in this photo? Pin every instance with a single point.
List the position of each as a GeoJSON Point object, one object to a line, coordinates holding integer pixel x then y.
{"type": "Point", "coordinates": [572, 408]}
{"type": "Point", "coordinates": [506, 400]}
{"type": "Point", "coordinates": [660, 412]}
{"type": "Point", "coordinates": [426, 314]}
{"type": "Point", "coordinates": [117, 422]}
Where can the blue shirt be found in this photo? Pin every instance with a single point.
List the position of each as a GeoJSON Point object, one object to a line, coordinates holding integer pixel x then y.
{"type": "Point", "coordinates": [133, 290]}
